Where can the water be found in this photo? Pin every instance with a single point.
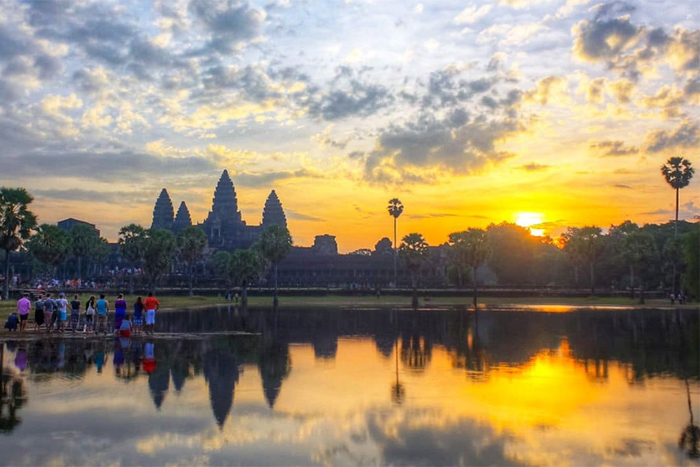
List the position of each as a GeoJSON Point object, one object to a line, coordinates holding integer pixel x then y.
{"type": "Point", "coordinates": [361, 387]}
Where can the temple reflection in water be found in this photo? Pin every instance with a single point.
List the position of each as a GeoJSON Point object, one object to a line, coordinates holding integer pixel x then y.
{"type": "Point", "coordinates": [521, 359]}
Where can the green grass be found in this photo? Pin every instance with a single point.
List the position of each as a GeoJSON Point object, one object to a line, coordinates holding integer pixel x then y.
{"type": "Point", "coordinates": [184, 302]}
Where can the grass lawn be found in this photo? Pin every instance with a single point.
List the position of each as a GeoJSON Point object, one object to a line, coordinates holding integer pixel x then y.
{"type": "Point", "coordinates": [182, 302]}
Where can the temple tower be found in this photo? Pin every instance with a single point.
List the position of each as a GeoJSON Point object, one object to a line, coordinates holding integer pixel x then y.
{"type": "Point", "coordinates": [182, 219]}
{"type": "Point", "coordinates": [273, 214]}
{"type": "Point", "coordinates": [225, 203]}
{"type": "Point", "coordinates": [163, 212]}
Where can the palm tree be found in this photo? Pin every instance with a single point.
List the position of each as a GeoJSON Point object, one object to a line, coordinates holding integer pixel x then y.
{"type": "Point", "coordinates": [677, 171]}
{"type": "Point", "coordinates": [274, 245]}
{"type": "Point", "coordinates": [100, 254]}
{"type": "Point", "coordinates": [395, 209]}
{"type": "Point", "coordinates": [470, 249]}
{"type": "Point", "coordinates": [159, 247]}
{"type": "Point", "coordinates": [16, 224]}
{"type": "Point", "coordinates": [84, 240]}
{"type": "Point", "coordinates": [191, 242]}
{"type": "Point", "coordinates": [220, 262]}
{"type": "Point", "coordinates": [638, 250]}
{"type": "Point", "coordinates": [132, 239]}
{"type": "Point", "coordinates": [245, 267]}
{"type": "Point", "coordinates": [414, 251]}
{"type": "Point", "coordinates": [50, 245]}
{"type": "Point", "coordinates": [586, 245]}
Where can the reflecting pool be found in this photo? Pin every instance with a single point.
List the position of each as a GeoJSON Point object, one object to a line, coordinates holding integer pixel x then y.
{"type": "Point", "coordinates": [362, 387]}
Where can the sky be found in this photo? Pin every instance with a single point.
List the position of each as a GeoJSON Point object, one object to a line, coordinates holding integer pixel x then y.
{"type": "Point", "coordinates": [554, 113]}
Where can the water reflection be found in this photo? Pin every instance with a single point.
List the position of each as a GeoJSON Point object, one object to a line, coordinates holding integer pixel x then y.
{"type": "Point", "coordinates": [310, 386]}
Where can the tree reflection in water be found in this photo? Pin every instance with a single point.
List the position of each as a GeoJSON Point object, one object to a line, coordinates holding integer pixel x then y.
{"type": "Point", "coordinates": [12, 397]}
{"type": "Point", "coordinates": [690, 437]}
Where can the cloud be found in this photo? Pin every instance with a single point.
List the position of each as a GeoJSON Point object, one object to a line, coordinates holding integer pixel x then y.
{"type": "Point", "coordinates": [102, 166]}
{"type": "Point", "coordinates": [301, 217]}
{"type": "Point", "coordinates": [686, 135]}
{"type": "Point", "coordinates": [472, 14]}
{"type": "Point", "coordinates": [112, 197]}
{"type": "Point", "coordinates": [627, 187]}
{"type": "Point", "coordinates": [265, 179]}
{"type": "Point", "coordinates": [598, 40]}
{"type": "Point", "coordinates": [534, 167]}
{"type": "Point", "coordinates": [347, 96]}
{"type": "Point", "coordinates": [611, 148]}
{"type": "Point", "coordinates": [448, 144]}
{"type": "Point", "coordinates": [549, 89]}
{"type": "Point", "coordinates": [431, 216]}
{"type": "Point", "coordinates": [229, 23]}
{"type": "Point", "coordinates": [324, 139]}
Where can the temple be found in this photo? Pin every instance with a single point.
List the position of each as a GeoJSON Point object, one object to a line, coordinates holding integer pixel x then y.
{"type": "Point", "coordinates": [224, 227]}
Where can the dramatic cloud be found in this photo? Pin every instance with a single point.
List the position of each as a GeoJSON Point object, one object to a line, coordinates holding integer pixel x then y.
{"type": "Point", "coordinates": [687, 135]}
{"type": "Point", "coordinates": [613, 148]}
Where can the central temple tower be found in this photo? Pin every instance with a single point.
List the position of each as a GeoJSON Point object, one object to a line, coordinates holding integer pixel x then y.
{"type": "Point", "coordinates": [224, 226]}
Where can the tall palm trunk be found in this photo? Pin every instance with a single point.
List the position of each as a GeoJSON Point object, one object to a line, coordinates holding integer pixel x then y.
{"type": "Point", "coordinates": [675, 233]}
{"type": "Point", "coordinates": [6, 285]}
{"type": "Point", "coordinates": [396, 280]}
{"type": "Point", "coordinates": [475, 286]}
{"type": "Point", "coordinates": [641, 293]}
{"type": "Point", "coordinates": [592, 279]}
{"type": "Point", "coordinates": [244, 293]}
{"type": "Point", "coordinates": [191, 271]}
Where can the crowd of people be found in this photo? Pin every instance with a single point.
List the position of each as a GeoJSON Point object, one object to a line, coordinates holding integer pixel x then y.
{"type": "Point", "coordinates": [60, 315]}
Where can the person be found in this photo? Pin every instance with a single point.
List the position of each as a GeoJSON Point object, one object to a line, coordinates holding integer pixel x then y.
{"type": "Point", "coordinates": [137, 318]}
{"type": "Point", "coordinates": [62, 311]}
{"type": "Point", "coordinates": [119, 312]}
{"type": "Point", "coordinates": [125, 327]}
{"type": "Point", "coordinates": [39, 312]}
{"type": "Point", "coordinates": [151, 305]}
{"type": "Point", "coordinates": [149, 360]}
{"type": "Point", "coordinates": [49, 306]}
{"type": "Point", "coordinates": [673, 298]}
{"type": "Point", "coordinates": [89, 314]}
{"type": "Point", "coordinates": [12, 321]}
{"type": "Point", "coordinates": [102, 308]}
{"type": "Point", "coordinates": [24, 305]}
{"type": "Point", "coordinates": [75, 313]}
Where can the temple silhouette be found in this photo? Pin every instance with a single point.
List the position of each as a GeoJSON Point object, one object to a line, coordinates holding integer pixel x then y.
{"type": "Point", "coordinates": [224, 227]}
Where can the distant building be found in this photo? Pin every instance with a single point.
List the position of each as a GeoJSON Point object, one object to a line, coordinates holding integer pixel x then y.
{"type": "Point", "coordinates": [325, 245]}
{"type": "Point", "coordinates": [68, 224]}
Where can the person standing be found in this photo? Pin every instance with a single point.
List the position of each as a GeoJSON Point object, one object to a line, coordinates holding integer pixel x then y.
{"type": "Point", "coordinates": [119, 312]}
{"type": "Point", "coordinates": [24, 305]}
{"type": "Point", "coordinates": [39, 312]}
{"type": "Point", "coordinates": [137, 318]}
{"type": "Point", "coordinates": [151, 305]}
{"type": "Point", "coordinates": [102, 308]}
{"type": "Point", "coordinates": [75, 313]}
{"type": "Point", "coordinates": [90, 314]}
{"type": "Point", "coordinates": [62, 311]}
{"type": "Point", "coordinates": [49, 307]}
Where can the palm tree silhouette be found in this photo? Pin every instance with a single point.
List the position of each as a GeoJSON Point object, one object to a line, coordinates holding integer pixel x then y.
{"type": "Point", "coordinates": [690, 437]}
{"type": "Point", "coordinates": [677, 171]}
{"type": "Point", "coordinates": [395, 209]}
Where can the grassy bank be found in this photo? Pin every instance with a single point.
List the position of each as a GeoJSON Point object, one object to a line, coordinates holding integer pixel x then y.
{"type": "Point", "coordinates": [184, 302]}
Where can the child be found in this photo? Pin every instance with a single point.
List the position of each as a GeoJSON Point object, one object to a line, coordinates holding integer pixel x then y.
{"type": "Point", "coordinates": [125, 327]}
{"type": "Point", "coordinates": [12, 321]}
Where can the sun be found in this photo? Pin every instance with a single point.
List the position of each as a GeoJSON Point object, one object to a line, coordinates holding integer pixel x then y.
{"type": "Point", "coordinates": [527, 219]}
